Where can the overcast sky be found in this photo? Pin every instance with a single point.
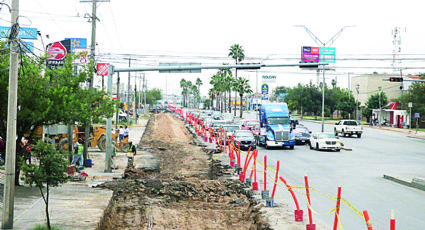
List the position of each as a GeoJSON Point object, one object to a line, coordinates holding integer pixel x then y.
{"type": "Point", "coordinates": [178, 31]}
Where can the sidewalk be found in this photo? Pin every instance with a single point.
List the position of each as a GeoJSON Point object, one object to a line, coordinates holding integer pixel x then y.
{"type": "Point", "coordinates": [76, 204]}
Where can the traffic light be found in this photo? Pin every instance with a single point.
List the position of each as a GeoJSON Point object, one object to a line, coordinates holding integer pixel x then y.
{"type": "Point", "coordinates": [396, 79]}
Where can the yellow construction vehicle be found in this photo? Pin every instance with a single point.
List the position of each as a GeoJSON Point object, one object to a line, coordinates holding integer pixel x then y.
{"type": "Point", "coordinates": [59, 135]}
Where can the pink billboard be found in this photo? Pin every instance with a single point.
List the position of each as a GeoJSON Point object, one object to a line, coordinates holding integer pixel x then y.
{"type": "Point", "coordinates": [310, 54]}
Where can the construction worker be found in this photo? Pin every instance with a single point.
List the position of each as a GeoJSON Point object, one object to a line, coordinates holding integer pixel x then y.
{"type": "Point", "coordinates": [114, 154]}
{"type": "Point", "coordinates": [78, 153]}
{"type": "Point", "coordinates": [130, 155]}
{"type": "Point", "coordinates": [132, 148]}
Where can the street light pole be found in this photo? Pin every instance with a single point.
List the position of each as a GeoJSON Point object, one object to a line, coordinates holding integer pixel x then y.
{"type": "Point", "coordinates": [380, 110]}
{"type": "Point", "coordinates": [357, 101]}
{"type": "Point", "coordinates": [323, 101]}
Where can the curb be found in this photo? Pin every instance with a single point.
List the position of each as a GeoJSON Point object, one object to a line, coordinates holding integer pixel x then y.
{"type": "Point", "coordinates": [414, 183]}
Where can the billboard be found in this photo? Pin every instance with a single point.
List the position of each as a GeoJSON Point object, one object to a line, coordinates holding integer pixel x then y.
{"type": "Point", "coordinates": [24, 32]}
{"type": "Point", "coordinates": [78, 43]}
{"type": "Point", "coordinates": [310, 54]}
{"type": "Point", "coordinates": [102, 69]}
{"type": "Point", "coordinates": [327, 54]}
{"type": "Point", "coordinates": [57, 52]}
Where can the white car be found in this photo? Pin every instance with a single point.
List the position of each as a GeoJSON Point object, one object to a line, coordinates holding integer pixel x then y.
{"type": "Point", "coordinates": [326, 141]}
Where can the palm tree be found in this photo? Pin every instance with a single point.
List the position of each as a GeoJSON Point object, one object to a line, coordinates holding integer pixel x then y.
{"type": "Point", "coordinates": [188, 88]}
{"type": "Point", "coordinates": [183, 85]}
{"type": "Point", "coordinates": [227, 81]}
{"type": "Point", "coordinates": [237, 53]}
{"type": "Point", "coordinates": [195, 93]}
{"type": "Point", "coordinates": [242, 87]}
{"type": "Point", "coordinates": [217, 83]}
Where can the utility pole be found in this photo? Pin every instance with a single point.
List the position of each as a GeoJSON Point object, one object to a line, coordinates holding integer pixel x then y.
{"type": "Point", "coordinates": [92, 54]}
{"type": "Point", "coordinates": [380, 110]}
{"type": "Point", "coordinates": [118, 101]}
{"type": "Point", "coordinates": [128, 91]}
{"type": "Point", "coordinates": [146, 89]}
{"type": "Point", "coordinates": [9, 186]}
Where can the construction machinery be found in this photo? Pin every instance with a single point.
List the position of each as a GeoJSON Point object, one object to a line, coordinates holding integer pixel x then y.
{"type": "Point", "coordinates": [58, 134]}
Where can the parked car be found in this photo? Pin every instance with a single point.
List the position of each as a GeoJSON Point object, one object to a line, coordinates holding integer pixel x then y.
{"type": "Point", "coordinates": [302, 135]}
{"type": "Point", "coordinates": [348, 127]}
{"type": "Point", "coordinates": [325, 141]}
{"type": "Point", "coordinates": [249, 124]}
{"type": "Point", "coordinates": [245, 138]}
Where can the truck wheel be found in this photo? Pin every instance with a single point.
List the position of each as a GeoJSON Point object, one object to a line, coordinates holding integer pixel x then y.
{"type": "Point", "coordinates": [311, 147]}
{"type": "Point", "coordinates": [317, 147]}
{"type": "Point", "coordinates": [101, 143]}
{"type": "Point", "coordinates": [359, 135]}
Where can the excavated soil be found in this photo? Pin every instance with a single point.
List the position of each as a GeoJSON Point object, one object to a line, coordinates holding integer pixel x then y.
{"type": "Point", "coordinates": [183, 192]}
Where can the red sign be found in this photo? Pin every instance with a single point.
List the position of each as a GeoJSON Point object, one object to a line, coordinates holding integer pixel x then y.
{"type": "Point", "coordinates": [102, 69]}
{"type": "Point", "coordinates": [56, 51]}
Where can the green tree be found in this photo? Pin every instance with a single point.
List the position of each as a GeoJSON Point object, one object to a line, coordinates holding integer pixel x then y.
{"type": "Point", "coordinates": [51, 98]}
{"type": "Point", "coordinates": [242, 87]}
{"type": "Point", "coordinates": [237, 53]}
{"type": "Point", "coordinates": [416, 95]}
{"type": "Point", "coordinates": [373, 103]}
{"type": "Point", "coordinates": [183, 85]}
{"type": "Point", "coordinates": [48, 170]}
{"type": "Point", "coordinates": [152, 96]}
{"type": "Point", "coordinates": [278, 90]}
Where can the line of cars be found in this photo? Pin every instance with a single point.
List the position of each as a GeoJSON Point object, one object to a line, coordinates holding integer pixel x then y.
{"type": "Point", "coordinates": [246, 132]}
{"type": "Point", "coordinates": [241, 130]}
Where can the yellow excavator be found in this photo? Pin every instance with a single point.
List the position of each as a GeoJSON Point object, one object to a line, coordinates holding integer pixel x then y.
{"type": "Point", "coordinates": [97, 137]}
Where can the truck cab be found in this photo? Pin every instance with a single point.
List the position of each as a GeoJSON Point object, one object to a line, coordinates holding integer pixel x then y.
{"type": "Point", "coordinates": [275, 126]}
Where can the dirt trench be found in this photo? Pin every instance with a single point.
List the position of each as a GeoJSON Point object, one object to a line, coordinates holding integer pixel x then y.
{"type": "Point", "coordinates": [183, 192]}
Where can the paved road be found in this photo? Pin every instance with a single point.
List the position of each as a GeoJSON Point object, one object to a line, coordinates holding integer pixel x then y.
{"type": "Point", "coordinates": [360, 173]}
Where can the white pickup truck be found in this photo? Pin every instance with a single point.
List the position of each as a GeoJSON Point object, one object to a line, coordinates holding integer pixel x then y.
{"type": "Point", "coordinates": [348, 127]}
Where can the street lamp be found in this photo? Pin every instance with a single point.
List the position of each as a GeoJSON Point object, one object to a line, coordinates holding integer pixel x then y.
{"type": "Point", "coordinates": [357, 101]}
{"type": "Point", "coordinates": [380, 110]}
{"type": "Point", "coordinates": [323, 44]}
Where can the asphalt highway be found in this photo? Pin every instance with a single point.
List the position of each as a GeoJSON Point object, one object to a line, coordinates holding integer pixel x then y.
{"type": "Point", "coordinates": [359, 172]}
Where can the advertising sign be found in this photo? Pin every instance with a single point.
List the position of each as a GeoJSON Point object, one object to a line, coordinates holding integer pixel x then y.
{"type": "Point", "coordinates": [327, 54]}
{"type": "Point", "coordinates": [310, 54]}
{"type": "Point", "coordinates": [24, 32]}
{"type": "Point", "coordinates": [265, 91]}
{"type": "Point", "coordinates": [57, 52]}
{"type": "Point", "coordinates": [78, 43]}
{"type": "Point", "coordinates": [102, 69]}
{"type": "Point", "coordinates": [269, 79]}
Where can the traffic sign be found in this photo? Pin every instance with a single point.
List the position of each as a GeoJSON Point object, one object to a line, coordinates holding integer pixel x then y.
{"type": "Point", "coordinates": [417, 115]}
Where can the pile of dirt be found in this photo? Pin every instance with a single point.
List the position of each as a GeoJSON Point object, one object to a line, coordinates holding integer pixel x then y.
{"type": "Point", "coordinates": [184, 192]}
